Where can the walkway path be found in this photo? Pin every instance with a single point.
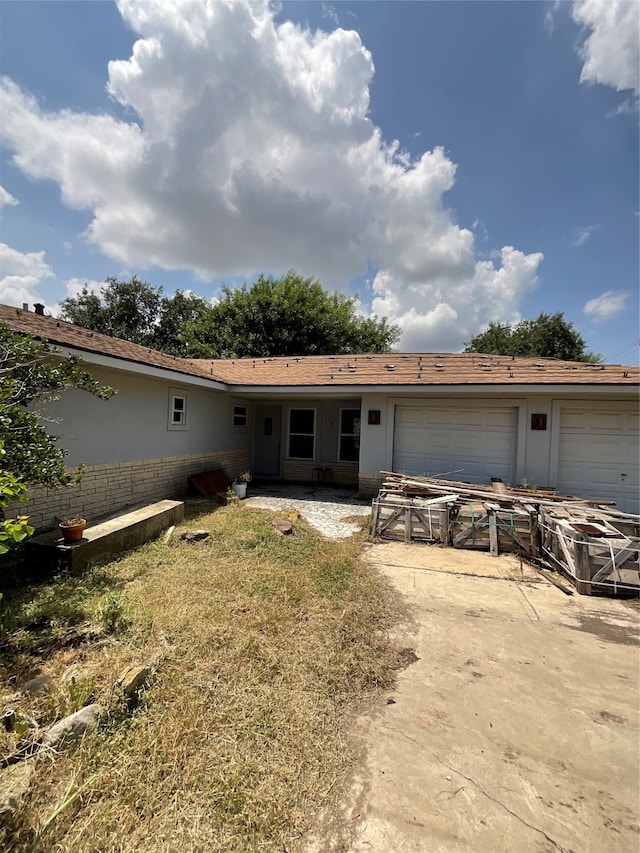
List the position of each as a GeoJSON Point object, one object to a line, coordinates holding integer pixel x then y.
{"type": "Point", "coordinates": [326, 509]}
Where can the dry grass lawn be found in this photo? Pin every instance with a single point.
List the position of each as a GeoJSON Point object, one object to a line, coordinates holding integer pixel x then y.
{"type": "Point", "coordinates": [263, 648]}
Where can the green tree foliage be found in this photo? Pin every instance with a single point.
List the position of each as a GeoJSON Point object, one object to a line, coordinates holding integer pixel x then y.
{"type": "Point", "coordinates": [12, 530]}
{"type": "Point", "coordinates": [32, 372]}
{"type": "Point", "coordinates": [178, 318]}
{"type": "Point", "coordinates": [135, 311]}
{"type": "Point", "coordinates": [548, 336]}
{"type": "Point", "coordinates": [124, 309]}
{"type": "Point", "coordinates": [291, 315]}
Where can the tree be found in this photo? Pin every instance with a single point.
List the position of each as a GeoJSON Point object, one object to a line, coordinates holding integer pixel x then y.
{"type": "Point", "coordinates": [548, 336]}
{"type": "Point", "coordinates": [178, 317]}
{"type": "Point", "coordinates": [12, 530]}
{"type": "Point", "coordinates": [291, 315]}
{"type": "Point", "coordinates": [135, 311]}
{"type": "Point", "coordinates": [123, 309]}
{"type": "Point", "coordinates": [31, 372]}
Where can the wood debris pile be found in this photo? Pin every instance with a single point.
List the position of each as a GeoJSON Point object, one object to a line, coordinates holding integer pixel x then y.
{"type": "Point", "coordinates": [594, 544]}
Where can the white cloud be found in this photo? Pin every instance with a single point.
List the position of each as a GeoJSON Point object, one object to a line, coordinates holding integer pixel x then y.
{"type": "Point", "coordinates": [434, 314]}
{"type": "Point", "coordinates": [329, 11]}
{"type": "Point", "coordinates": [550, 16]}
{"type": "Point", "coordinates": [611, 51]}
{"type": "Point", "coordinates": [20, 275]}
{"type": "Point", "coordinates": [6, 199]}
{"type": "Point", "coordinates": [74, 286]}
{"type": "Point", "coordinates": [253, 149]}
{"type": "Point", "coordinates": [583, 234]}
{"type": "Point", "coordinates": [607, 305]}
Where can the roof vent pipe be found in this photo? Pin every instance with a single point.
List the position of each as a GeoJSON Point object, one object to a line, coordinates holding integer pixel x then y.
{"type": "Point", "coordinates": [25, 306]}
{"type": "Point", "coordinates": [39, 308]}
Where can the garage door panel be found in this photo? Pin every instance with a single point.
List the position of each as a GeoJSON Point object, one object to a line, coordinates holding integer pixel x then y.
{"type": "Point", "coordinates": [474, 420]}
{"type": "Point", "coordinates": [599, 455]}
{"type": "Point", "coordinates": [498, 443]}
{"type": "Point", "coordinates": [632, 422]}
{"type": "Point", "coordinates": [410, 417]}
{"type": "Point", "coordinates": [598, 476]}
{"type": "Point", "coordinates": [500, 420]}
{"type": "Point", "coordinates": [439, 418]}
{"type": "Point", "coordinates": [468, 443]}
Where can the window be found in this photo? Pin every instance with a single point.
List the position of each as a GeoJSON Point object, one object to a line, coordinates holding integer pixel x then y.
{"type": "Point", "coordinates": [302, 424]}
{"type": "Point", "coordinates": [239, 416]}
{"type": "Point", "coordinates": [177, 409]}
{"type": "Point", "coordinates": [349, 435]}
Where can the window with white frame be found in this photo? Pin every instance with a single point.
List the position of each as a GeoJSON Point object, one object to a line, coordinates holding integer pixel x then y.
{"type": "Point", "coordinates": [177, 409]}
{"type": "Point", "coordinates": [302, 433]}
{"type": "Point", "coordinates": [240, 416]}
{"type": "Point", "coordinates": [349, 449]}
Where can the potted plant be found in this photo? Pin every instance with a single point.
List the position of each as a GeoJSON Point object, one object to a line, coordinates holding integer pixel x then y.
{"type": "Point", "coordinates": [239, 485]}
{"type": "Point", "coordinates": [72, 528]}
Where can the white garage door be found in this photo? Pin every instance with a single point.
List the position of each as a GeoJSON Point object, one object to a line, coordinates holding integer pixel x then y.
{"type": "Point", "coordinates": [468, 444]}
{"type": "Point", "coordinates": [598, 455]}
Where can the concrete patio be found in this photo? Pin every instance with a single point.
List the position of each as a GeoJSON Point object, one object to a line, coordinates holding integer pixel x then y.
{"type": "Point", "coordinates": [326, 508]}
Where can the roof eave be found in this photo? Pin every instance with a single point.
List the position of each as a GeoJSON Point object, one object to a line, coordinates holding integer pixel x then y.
{"type": "Point", "coordinates": [128, 366]}
{"type": "Point", "coordinates": [475, 388]}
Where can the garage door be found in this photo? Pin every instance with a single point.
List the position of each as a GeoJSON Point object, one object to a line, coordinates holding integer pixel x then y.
{"type": "Point", "coordinates": [468, 444]}
{"type": "Point", "coordinates": [598, 455]}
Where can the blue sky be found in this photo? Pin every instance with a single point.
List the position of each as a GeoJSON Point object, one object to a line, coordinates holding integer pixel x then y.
{"type": "Point", "coordinates": [452, 163]}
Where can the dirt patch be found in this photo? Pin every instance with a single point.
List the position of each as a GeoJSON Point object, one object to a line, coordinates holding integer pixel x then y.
{"type": "Point", "coordinates": [437, 558]}
{"type": "Point", "coordinates": [605, 629]}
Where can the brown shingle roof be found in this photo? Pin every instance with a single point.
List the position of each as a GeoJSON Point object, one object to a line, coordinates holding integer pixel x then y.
{"type": "Point", "coordinates": [382, 370]}
{"type": "Point", "coordinates": [418, 369]}
{"type": "Point", "coordinates": [66, 334]}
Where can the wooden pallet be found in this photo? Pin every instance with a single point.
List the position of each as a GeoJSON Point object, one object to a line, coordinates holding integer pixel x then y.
{"type": "Point", "coordinates": [453, 520]}
{"type": "Point", "coordinates": [412, 520]}
{"type": "Point", "coordinates": [592, 551]}
{"type": "Point", "coordinates": [593, 543]}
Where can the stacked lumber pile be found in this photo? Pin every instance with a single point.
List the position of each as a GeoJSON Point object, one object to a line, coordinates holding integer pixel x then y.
{"type": "Point", "coordinates": [599, 551]}
{"type": "Point", "coordinates": [591, 542]}
{"type": "Point", "coordinates": [494, 519]}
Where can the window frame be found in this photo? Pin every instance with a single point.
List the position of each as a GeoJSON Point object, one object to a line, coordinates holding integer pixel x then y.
{"type": "Point", "coordinates": [235, 414]}
{"type": "Point", "coordinates": [314, 433]}
{"type": "Point", "coordinates": [348, 434]}
{"type": "Point", "coordinates": [178, 394]}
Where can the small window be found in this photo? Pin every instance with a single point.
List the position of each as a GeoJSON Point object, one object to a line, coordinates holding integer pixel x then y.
{"type": "Point", "coordinates": [349, 435]}
{"type": "Point", "coordinates": [240, 416]}
{"type": "Point", "coordinates": [302, 433]}
{"type": "Point", "coordinates": [177, 410]}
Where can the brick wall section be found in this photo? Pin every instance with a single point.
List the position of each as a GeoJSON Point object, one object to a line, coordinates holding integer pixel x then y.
{"type": "Point", "coordinates": [303, 471]}
{"type": "Point", "coordinates": [369, 485]}
{"type": "Point", "coordinates": [105, 489]}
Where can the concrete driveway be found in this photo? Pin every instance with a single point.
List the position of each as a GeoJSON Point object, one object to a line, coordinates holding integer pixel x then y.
{"type": "Point", "coordinates": [515, 730]}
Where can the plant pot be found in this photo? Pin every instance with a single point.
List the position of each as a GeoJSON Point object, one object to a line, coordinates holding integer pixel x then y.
{"type": "Point", "coordinates": [239, 489]}
{"type": "Point", "coordinates": [73, 532]}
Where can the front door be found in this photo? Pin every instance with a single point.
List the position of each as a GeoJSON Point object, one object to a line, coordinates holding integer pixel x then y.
{"type": "Point", "coordinates": [266, 451]}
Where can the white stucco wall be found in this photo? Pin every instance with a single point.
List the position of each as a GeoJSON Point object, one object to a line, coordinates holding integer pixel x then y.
{"type": "Point", "coordinates": [134, 424]}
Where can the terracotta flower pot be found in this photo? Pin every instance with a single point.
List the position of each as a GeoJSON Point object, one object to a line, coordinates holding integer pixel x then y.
{"type": "Point", "coordinates": [73, 529]}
